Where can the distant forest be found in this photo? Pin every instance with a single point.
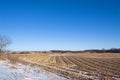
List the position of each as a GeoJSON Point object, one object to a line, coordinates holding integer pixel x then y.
{"type": "Point", "coordinates": [112, 50]}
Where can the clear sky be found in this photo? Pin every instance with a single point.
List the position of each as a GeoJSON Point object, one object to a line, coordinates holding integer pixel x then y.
{"type": "Point", "coordinates": [61, 24]}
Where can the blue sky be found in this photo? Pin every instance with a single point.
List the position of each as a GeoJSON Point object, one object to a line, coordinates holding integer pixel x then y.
{"type": "Point", "coordinates": [61, 24]}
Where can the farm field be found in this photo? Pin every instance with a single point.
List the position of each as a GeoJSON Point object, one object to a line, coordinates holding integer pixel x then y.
{"type": "Point", "coordinates": [78, 66]}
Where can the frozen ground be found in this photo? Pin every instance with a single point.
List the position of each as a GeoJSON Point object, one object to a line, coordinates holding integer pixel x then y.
{"type": "Point", "coordinates": [22, 72]}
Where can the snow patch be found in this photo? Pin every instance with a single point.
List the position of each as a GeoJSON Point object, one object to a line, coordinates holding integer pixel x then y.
{"type": "Point", "coordinates": [23, 72]}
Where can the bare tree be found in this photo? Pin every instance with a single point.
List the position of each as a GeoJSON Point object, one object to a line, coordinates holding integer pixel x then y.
{"type": "Point", "coordinates": [4, 42]}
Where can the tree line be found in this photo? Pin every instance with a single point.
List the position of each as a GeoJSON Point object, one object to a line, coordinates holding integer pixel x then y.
{"type": "Point", "coordinates": [112, 50]}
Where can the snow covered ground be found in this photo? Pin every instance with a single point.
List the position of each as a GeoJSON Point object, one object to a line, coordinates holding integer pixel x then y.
{"type": "Point", "coordinates": [23, 72]}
